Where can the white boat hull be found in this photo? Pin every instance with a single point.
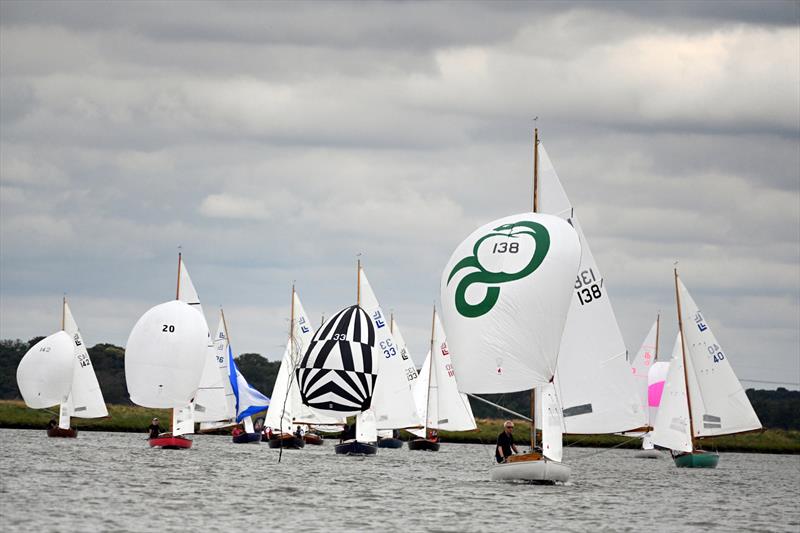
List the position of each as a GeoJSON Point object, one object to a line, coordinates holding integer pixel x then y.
{"type": "Point", "coordinates": [648, 454]}
{"type": "Point", "coordinates": [536, 471]}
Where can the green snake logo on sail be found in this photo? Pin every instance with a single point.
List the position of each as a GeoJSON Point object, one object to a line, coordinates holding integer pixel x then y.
{"type": "Point", "coordinates": [542, 239]}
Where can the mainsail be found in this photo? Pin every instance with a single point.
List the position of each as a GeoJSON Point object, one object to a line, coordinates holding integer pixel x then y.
{"type": "Point", "coordinates": [643, 361]}
{"type": "Point", "coordinates": [656, 378]}
{"type": "Point", "coordinates": [505, 294]}
{"type": "Point", "coordinates": [593, 379]}
{"type": "Point", "coordinates": [215, 404]}
{"type": "Point", "coordinates": [338, 372]}
{"type": "Point", "coordinates": [86, 398]}
{"type": "Point", "coordinates": [672, 421]}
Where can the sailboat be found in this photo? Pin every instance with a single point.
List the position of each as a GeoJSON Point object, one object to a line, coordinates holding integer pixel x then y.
{"type": "Point", "coordinates": [393, 404]}
{"type": "Point", "coordinates": [287, 411]}
{"type": "Point", "coordinates": [338, 372]}
{"type": "Point", "coordinates": [164, 360]}
{"type": "Point", "coordinates": [641, 365]}
{"type": "Point", "coordinates": [443, 407]}
{"type": "Point", "coordinates": [702, 396]}
{"type": "Point", "coordinates": [656, 377]}
{"type": "Point", "coordinates": [215, 403]}
{"type": "Point", "coordinates": [505, 295]}
{"type": "Point", "coordinates": [58, 370]}
{"type": "Point", "coordinates": [387, 437]}
{"type": "Point", "coordinates": [593, 379]}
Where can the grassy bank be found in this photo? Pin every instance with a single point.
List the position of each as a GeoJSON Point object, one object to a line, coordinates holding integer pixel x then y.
{"type": "Point", "coordinates": [14, 414]}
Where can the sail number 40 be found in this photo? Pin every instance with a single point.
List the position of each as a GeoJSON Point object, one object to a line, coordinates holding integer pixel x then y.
{"type": "Point", "coordinates": [587, 288]}
{"type": "Point", "coordinates": [716, 353]}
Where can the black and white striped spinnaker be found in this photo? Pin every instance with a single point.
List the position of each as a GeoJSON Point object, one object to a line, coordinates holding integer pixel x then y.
{"type": "Point", "coordinates": [338, 371]}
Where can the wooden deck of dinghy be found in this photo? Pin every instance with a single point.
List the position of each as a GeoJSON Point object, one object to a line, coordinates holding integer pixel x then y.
{"type": "Point", "coordinates": [534, 456]}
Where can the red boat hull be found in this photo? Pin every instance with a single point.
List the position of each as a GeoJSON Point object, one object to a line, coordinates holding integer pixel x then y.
{"type": "Point", "coordinates": [312, 438]}
{"type": "Point", "coordinates": [168, 442]}
{"type": "Point", "coordinates": [70, 433]}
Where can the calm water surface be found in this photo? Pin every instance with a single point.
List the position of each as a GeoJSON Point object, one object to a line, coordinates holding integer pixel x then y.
{"type": "Point", "coordinates": [114, 481]}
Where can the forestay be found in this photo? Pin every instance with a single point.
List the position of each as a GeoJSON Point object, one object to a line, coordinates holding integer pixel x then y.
{"type": "Point", "coordinates": [672, 421]}
{"type": "Point", "coordinates": [393, 403]}
{"type": "Point", "coordinates": [718, 401]}
{"type": "Point", "coordinates": [44, 374]}
{"type": "Point", "coordinates": [337, 374]}
{"type": "Point", "coordinates": [505, 294]}
{"type": "Point", "coordinates": [86, 400]}
{"type": "Point", "coordinates": [164, 356]}
{"type": "Point", "coordinates": [593, 379]}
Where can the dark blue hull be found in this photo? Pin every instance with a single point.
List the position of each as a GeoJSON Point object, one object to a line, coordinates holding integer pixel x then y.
{"type": "Point", "coordinates": [390, 442]}
{"type": "Point", "coordinates": [354, 447]}
{"type": "Point", "coordinates": [244, 438]}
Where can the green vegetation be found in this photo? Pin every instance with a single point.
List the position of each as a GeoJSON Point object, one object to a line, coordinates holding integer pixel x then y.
{"type": "Point", "coordinates": [129, 418]}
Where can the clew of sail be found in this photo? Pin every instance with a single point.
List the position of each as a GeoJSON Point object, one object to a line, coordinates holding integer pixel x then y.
{"type": "Point", "coordinates": [593, 378]}
{"type": "Point", "coordinates": [505, 295]}
{"type": "Point", "coordinates": [393, 402]}
{"type": "Point", "coordinates": [718, 400]}
{"type": "Point", "coordinates": [672, 421]}
{"type": "Point", "coordinates": [86, 400]}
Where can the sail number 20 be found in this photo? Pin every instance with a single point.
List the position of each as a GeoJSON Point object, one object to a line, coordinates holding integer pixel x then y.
{"type": "Point", "coordinates": [587, 287]}
{"type": "Point", "coordinates": [168, 328]}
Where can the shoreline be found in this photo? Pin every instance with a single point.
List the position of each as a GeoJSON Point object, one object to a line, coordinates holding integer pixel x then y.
{"type": "Point", "coordinates": [133, 419]}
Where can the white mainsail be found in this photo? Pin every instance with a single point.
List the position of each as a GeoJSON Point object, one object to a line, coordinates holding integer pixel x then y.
{"type": "Point", "coordinates": [186, 291]}
{"type": "Point", "coordinates": [215, 404]}
{"type": "Point", "coordinates": [552, 445]}
{"type": "Point", "coordinates": [442, 406]}
{"type": "Point", "coordinates": [366, 427]}
{"type": "Point", "coordinates": [505, 295]}
{"type": "Point", "coordinates": [44, 374]}
{"type": "Point", "coordinates": [672, 421]}
{"type": "Point", "coordinates": [593, 378]}
{"type": "Point", "coordinates": [718, 401]}
{"type": "Point", "coordinates": [643, 361]}
{"type": "Point", "coordinates": [164, 356]}
{"type": "Point", "coordinates": [86, 399]}
{"type": "Point", "coordinates": [393, 403]}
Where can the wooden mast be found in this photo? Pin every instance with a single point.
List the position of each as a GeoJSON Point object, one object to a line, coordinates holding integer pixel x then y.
{"type": "Point", "coordinates": [178, 284]}
{"type": "Point", "coordinates": [291, 319]}
{"type": "Point", "coordinates": [430, 372]}
{"type": "Point", "coordinates": [683, 356]}
{"type": "Point", "coordinates": [658, 328]}
{"type": "Point", "coordinates": [63, 312]}
{"type": "Point", "coordinates": [535, 210]}
{"type": "Point", "coordinates": [358, 284]}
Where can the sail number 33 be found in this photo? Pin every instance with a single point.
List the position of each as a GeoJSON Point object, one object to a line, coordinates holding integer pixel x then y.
{"type": "Point", "coordinates": [587, 288]}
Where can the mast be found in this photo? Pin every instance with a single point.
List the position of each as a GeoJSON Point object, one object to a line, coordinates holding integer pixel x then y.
{"type": "Point", "coordinates": [291, 319]}
{"type": "Point", "coordinates": [430, 371]}
{"type": "Point", "coordinates": [391, 323]}
{"type": "Point", "coordinates": [225, 326]}
{"type": "Point", "coordinates": [178, 284]}
{"type": "Point", "coordinates": [358, 284]}
{"type": "Point", "coordinates": [535, 209]}
{"type": "Point", "coordinates": [658, 327]}
{"type": "Point", "coordinates": [63, 312]}
{"type": "Point", "coordinates": [683, 355]}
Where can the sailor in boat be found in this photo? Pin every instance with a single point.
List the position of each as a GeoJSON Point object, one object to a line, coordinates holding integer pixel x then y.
{"type": "Point", "coordinates": [52, 424]}
{"type": "Point", "coordinates": [268, 432]}
{"type": "Point", "coordinates": [505, 443]}
{"type": "Point", "coordinates": [237, 431]}
{"type": "Point", "coordinates": [298, 432]}
{"type": "Point", "coordinates": [154, 429]}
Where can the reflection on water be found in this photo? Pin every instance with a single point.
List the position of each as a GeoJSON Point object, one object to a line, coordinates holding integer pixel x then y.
{"type": "Point", "coordinates": [114, 481]}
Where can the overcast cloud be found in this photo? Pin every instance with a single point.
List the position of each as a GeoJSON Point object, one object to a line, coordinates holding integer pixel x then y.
{"type": "Point", "coordinates": [275, 141]}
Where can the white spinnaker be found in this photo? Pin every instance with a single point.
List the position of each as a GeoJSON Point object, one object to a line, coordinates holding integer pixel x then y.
{"type": "Point", "coordinates": [366, 428]}
{"type": "Point", "coordinates": [214, 401]}
{"type": "Point", "coordinates": [505, 299]}
{"type": "Point", "coordinates": [719, 403]}
{"type": "Point", "coordinates": [642, 363]}
{"type": "Point", "coordinates": [86, 400]}
{"type": "Point", "coordinates": [672, 421]}
{"type": "Point", "coordinates": [393, 402]}
{"type": "Point", "coordinates": [165, 354]}
{"type": "Point", "coordinates": [44, 374]}
{"type": "Point", "coordinates": [552, 446]}
{"type": "Point", "coordinates": [656, 379]}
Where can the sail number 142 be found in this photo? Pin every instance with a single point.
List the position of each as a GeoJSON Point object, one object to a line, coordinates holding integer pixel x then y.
{"type": "Point", "coordinates": [587, 287]}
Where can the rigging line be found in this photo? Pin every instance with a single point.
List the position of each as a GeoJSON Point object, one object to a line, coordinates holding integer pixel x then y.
{"type": "Point", "coordinates": [605, 450]}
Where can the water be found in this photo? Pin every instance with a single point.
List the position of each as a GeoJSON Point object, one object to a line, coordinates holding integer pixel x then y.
{"type": "Point", "coordinates": [114, 481]}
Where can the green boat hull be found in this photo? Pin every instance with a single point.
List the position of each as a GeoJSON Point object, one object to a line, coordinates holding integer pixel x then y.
{"type": "Point", "coordinates": [697, 460]}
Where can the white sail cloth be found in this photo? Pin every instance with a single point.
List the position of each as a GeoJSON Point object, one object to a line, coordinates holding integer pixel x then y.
{"type": "Point", "coordinates": [165, 354]}
{"type": "Point", "coordinates": [672, 421]}
{"type": "Point", "coordinates": [215, 401]}
{"type": "Point", "coordinates": [718, 400]}
{"type": "Point", "coordinates": [393, 402]}
{"type": "Point", "coordinates": [505, 294]}
{"type": "Point", "coordinates": [45, 373]}
{"type": "Point", "coordinates": [86, 399]}
{"type": "Point", "coordinates": [552, 441]}
{"type": "Point", "coordinates": [656, 379]}
{"type": "Point", "coordinates": [642, 362]}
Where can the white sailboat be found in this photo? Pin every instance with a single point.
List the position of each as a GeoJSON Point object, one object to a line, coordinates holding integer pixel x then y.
{"type": "Point", "coordinates": [216, 399]}
{"type": "Point", "coordinates": [656, 378]}
{"type": "Point", "coordinates": [58, 371]}
{"type": "Point", "coordinates": [593, 379]}
{"type": "Point", "coordinates": [164, 360]}
{"type": "Point", "coordinates": [338, 372]}
{"type": "Point", "coordinates": [442, 406]}
{"type": "Point", "coordinates": [702, 396]}
{"type": "Point", "coordinates": [505, 295]}
{"type": "Point", "coordinates": [286, 410]}
{"type": "Point", "coordinates": [641, 364]}
{"type": "Point", "coordinates": [387, 438]}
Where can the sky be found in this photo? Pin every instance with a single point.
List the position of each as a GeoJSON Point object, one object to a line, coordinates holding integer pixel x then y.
{"type": "Point", "coordinates": [274, 142]}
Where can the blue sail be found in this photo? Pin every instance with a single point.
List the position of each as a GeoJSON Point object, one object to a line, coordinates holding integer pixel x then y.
{"type": "Point", "coordinates": [249, 401]}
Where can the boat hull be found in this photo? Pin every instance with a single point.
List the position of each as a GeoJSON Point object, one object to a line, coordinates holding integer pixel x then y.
{"type": "Point", "coordinates": [390, 442]}
{"type": "Point", "coordinates": [353, 447]}
{"type": "Point", "coordinates": [697, 459]}
{"type": "Point", "coordinates": [287, 441]}
{"type": "Point", "coordinates": [70, 433]}
{"type": "Point", "coordinates": [425, 445]}
{"type": "Point", "coordinates": [245, 438]}
{"type": "Point", "coordinates": [168, 442]}
{"type": "Point", "coordinates": [648, 454]}
{"type": "Point", "coordinates": [313, 438]}
{"type": "Point", "coordinates": [534, 471]}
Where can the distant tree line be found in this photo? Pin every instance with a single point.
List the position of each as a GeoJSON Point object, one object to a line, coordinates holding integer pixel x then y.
{"type": "Point", "coordinates": [777, 409]}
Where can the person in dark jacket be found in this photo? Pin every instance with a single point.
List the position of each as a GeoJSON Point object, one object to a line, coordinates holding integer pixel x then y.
{"type": "Point", "coordinates": [154, 429]}
{"type": "Point", "coordinates": [505, 443]}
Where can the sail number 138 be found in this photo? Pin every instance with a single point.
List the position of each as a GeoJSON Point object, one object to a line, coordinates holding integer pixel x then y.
{"type": "Point", "coordinates": [587, 288]}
